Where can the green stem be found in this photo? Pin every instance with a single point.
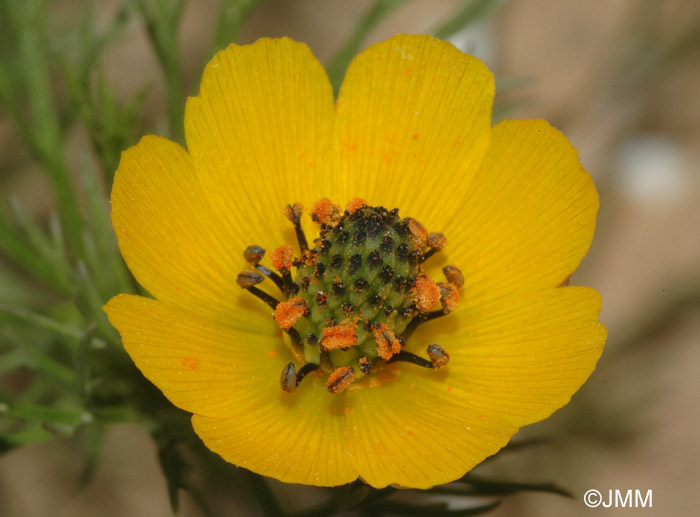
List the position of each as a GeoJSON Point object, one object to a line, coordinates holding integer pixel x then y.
{"type": "Point", "coordinates": [28, 17]}
{"type": "Point", "coordinates": [471, 12]}
{"type": "Point", "coordinates": [377, 12]}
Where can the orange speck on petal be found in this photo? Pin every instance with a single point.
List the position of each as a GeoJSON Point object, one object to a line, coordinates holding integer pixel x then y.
{"type": "Point", "coordinates": [288, 313]}
{"type": "Point", "coordinates": [355, 204]}
{"type": "Point", "coordinates": [415, 136]}
{"type": "Point", "coordinates": [325, 212]}
{"type": "Point", "coordinates": [427, 293]}
{"type": "Point", "coordinates": [272, 353]}
{"type": "Point", "coordinates": [281, 258]}
{"type": "Point", "coordinates": [387, 342]}
{"type": "Point", "coordinates": [339, 336]}
{"type": "Point", "coordinates": [190, 362]}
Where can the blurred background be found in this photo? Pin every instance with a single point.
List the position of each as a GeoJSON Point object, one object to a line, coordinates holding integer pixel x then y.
{"type": "Point", "coordinates": [620, 79]}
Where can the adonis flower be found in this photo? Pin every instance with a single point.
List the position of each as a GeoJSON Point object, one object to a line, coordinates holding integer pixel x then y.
{"type": "Point", "coordinates": [364, 287]}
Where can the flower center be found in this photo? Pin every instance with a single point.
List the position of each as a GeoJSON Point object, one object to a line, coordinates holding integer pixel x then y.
{"type": "Point", "coordinates": [358, 293]}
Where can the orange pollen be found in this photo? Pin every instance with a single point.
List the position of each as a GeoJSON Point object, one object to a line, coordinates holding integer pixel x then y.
{"type": "Point", "coordinates": [437, 241]}
{"type": "Point", "coordinates": [288, 313]}
{"type": "Point", "coordinates": [339, 336]}
{"type": "Point", "coordinates": [340, 379]}
{"type": "Point", "coordinates": [293, 212]}
{"type": "Point", "coordinates": [355, 204]}
{"type": "Point", "coordinates": [281, 258]}
{"type": "Point", "coordinates": [387, 342]}
{"type": "Point", "coordinates": [325, 212]}
{"type": "Point", "coordinates": [454, 276]}
{"type": "Point", "coordinates": [449, 296]}
{"type": "Point", "coordinates": [418, 231]}
{"type": "Point", "coordinates": [427, 293]}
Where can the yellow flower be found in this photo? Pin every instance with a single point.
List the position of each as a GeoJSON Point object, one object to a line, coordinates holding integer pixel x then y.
{"type": "Point", "coordinates": [411, 129]}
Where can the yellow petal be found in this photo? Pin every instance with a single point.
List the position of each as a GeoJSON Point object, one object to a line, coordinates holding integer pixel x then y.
{"type": "Point", "coordinates": [298, 441]}
{"type": "Point", "coordinates": [229, 376]}
{"type": "Point", "coordinates": [259, 136]}
{"type": "Point", "coordinates": [530, 214]}
{"type": "Point", "coordinates": [413, 123]}
{"type": "Point", "coordinates": [166, 233]}
{"type": "Point", "coordinates": [512, 362]}
{"type": "Point", "coordinates": [201, 366]}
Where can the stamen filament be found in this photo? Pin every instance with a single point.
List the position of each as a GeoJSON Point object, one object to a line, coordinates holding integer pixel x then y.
{"type": "Point", "coordinates": [428, 254]}
{"type": "Point", "coordinates": [304, 371]}
{"type": "Point", "coordinates": [268, 299]}
{"type": "Point", "coordinates": [277, 279]}
{"type": "Point", "coordinates": [408, 357]}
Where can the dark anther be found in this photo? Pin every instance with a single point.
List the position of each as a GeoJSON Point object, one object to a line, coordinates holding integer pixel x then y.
{"type": "Point", "coordinates": [343, 238]}
{"type": "Point", "coordinates": [454, 276]}
{"type": "Point", "coordinates": [400, 284]}
{"type": "Point", "coordinates": [288, 379]}
{"type": "Point", "coordinates": [375, 300]}
{"type": "Point", "coordinates": [293, 288]}
{"type": "Point", "coordinates": [355, 264]}
{"type": "Point", "coordinates": [407, 312]}
{"type": "Point", "coordinates": [320, 269]}
{"type": "Point", "coordinates": [438, 356]}
{"type": "Point", "coordinates": [331, 322]}
{"type": "Point", "coordinates": [402, 228]}
{"type": "Point", "coordinates": [387, 245]}
{"type": "Point", "coordinates": [408, 357]}
{"type": "Point", "coordinates": [359, 238]}
{"type": "Point", "coordinates": [410, 284]}
{"type": "Point", "coordinates": [249, 278]}
{"type": "Point", "coordinates": [312, 339]}
{"type": "Point", "coordinates": [336, 261]}
{"type": "Point", "coordinates": [325, 246]}
{"type": "Point", "coordinates": [253, 254]}
{"type": "Point", "coordinates": [386, 274]}
{"type": "Point", "coordinates": [370, 326]}
{"type": "Point", "coordinates": [402, 251]}
{"type": "Point", "coordinates": [304, 371]}
{"type": "Point", "coordinates": [374, 259]}
{"type": "Point", "coordinates": [338, 288]}
{"type": "Point", "coordinates": [415, 257]}
{"type": "Point", "coordinates": [361, 284]}
{"type": "Point", "coordinates": [293, 213]}
{"type": "Point", "coordinates": [349, 308]}
{"type": "Point", "coordinates": [340, 379]}
{"type": "Point", "coordinates": [388, 310]}
{"type": "Point", "coordinates": [364, 364]}
{"type": "Point", "coordinates": [305, 281]}
{"type": "Point", "coordinates": [321, 298]}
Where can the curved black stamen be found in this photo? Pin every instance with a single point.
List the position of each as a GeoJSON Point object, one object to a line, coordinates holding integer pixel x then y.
{"type": "Point", "coordinates": [270, 300]}
{"type": "Point", "coordinates": [297, 343]}
{"type": "Point", "coordinates": [304, 371]}
{"type": "Point", "coordinates": [428, 254]}
{"type": "Point", "coordinates": [408, 357]}
{"type": "Point", "coordinates": [277, 279]}
{"type": "Point", "coordinates": [418, 320]}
